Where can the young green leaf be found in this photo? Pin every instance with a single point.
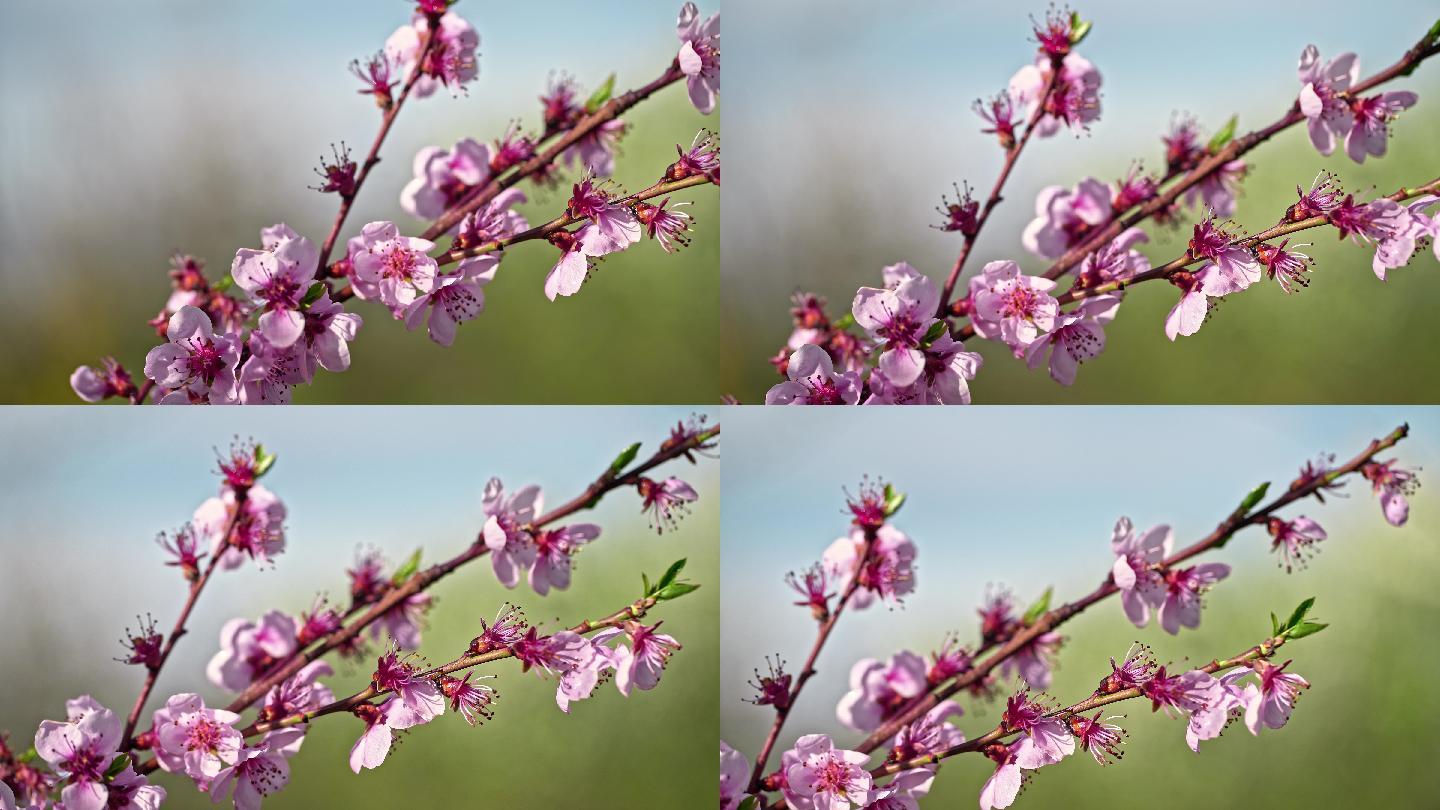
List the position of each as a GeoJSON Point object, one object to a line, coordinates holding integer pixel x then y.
{"type": "Point", "coordinates": [1224, 136]}
{"type": "Point", "coordinates": [117, 765]}
{"type": "Point", "coordinates": [750, 803]}
{"type": "Point", "coordinates": [623, 460]}
{"type": "Point", "coordinates": [263, 460]}
{"type": "Point", "coordinates": [933, 333]}
{"type": "Point", "coordinates": [313, 294]}
{"type": "Point", "coordinates": [893, 500]}
{"type": "Point", "coordinates": [1299, 614]}
{"type": "Point", "coordinates": [1274, 625]}
{"type": "Point", "coordinates": [675, 590]}
{"type": "Point", "coordinates": [407, 570]}
{"type": "Point", "coordinates": [1305, 629]}
{"type": "Point", "coordinates": [1253, 499]}
{"type": "Point", "coordinates": [1079, 29]}
{"type": "Point", "coordinates": [844, 322]}
{"type": "Point", "coordinates": [601, 94]}
{"type": "Point", "coordinates": [670, 574]}
{"type": "Point", "coordinates": [226, 282]}
{"type": "Point", "coordinates": [29, 755]}
{"type": "Point", "coordinates": [645, 583]}
{"type": "Point", "coordinates": [1038, 608]}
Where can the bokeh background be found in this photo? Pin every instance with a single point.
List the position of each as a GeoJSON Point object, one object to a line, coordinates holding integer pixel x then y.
{"type": "Point", "coordinates": [140, 129]}
{"type": "Point", "coordinates": [84, 492]}
{"type": "Point", "coordinates": [994, 499]}
{"type": "Point", "coordinates": [876, 125]}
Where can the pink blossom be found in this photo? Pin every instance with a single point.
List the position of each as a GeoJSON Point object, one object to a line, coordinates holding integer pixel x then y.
{"type": "Point", "coordinates": [184, 547]}
{"type": "Point", "coordinates": [554, 550]}
{"type": "Point", "coordinates": [1183, 588]}
{"type": "Point", "coordinates": [699, 57]}
{"type": "Point", "coordinates": [931, 734]}
{"type": "Point", "coordinates": [196, 364]}
{"type": "Point", "coordinates": [1216, 191]}
{"type": "Point", "coordinates": [328, 332]}
{"type": "Point", "coordinates": [1077, 336]}
{"type": "Point", "coordinates": [1327, 113]}
{"type": "Point", "coordinates": [734, 777]}
{"type": "Point", "coordinates": [1372, 222]}
{"type": "Point", "coordinates": [391, 268]}
{"type": "Point", "coordinates": [1101, 739]}
{"type": "Point", "coordinates": [507, 629]}
{"type": "Point", "coordinates": [443, 178]}
{"type": "Point", "coordinates": [999, 113]}
{"type": "Point", "coordinates": [1074, 101]}
{"type": "Point", "coordinates": [948, 371]}
{"type": "Point", "coordinates": [277, 278]}
{"type": "Point", "coordinates": [96, 384]}
{"type": "Point", "coordinates": [1226, 701]}
{"type": "Point", "coordinates": [130, 791]}
{"type": "Point", "coordinates": [1392, 484]}
{"type": "Point", "coordinates": [1000, 790]}
{"type": "Point", "coordinates": [666, 501]}
{"type": "Point", "coordinates": [880, 689]}
{"type": "Point", "coordinates": [1052, 738]}
{"type": "Point", "coordinates": [819, 776]}
{"type": "Point", "coordinates": [257, 533]}
{"type": "Point", "coordinates": [79, 751]}
{"type": "Point", "coordinates": [702, 158]}
{"type": "Point", "coordinates": [1270, 707]}
{"type": "Point", "coordinates": [640, 665]}
{"type": "Point", "coordinates": [401, 623]}
{"type": "Point", "coordinates": [456, 298]}
{"type": "Point", "coordinates": [1414, 224]}
{"type": "Point", "coordinates": [377, 76]}
{"type": "Point", "coordinates": [506, 529]}
{"type": "Point", "coordinates": [1294, 539]}
{"type": "Point", "coordinates": [1014, 306]}
{"type": "Point", "coordinates": [1033, 662]}
{"type": "Point", "coordinates": [963, 215]}
{"type": "Point", "coordinates": [1197, 288]}
{"type": "Point", "coordinates": [496, 221]}
{"type": "Point", "coordinates": [1117, 260]}
{"type": "Point", "coordinates": [1136, 670]}
{"type": "Point", "coordinates": [1370, 132]}
{"type": "Point", "coordinates": [668, 227]}
{"type": "Point", "coordinates": [615, 222]}
{"type": "Point", "coordinates": [268, 375]}
{"type": "Point", "coordinates": [1064, 217]}
{"type": "Point", "coordinates": [198, 741]}
{"type": "Point", "coordinates": [1185, 693]}
{"type": "Point", "coordinates": [899, 319]}
{"type": "Point", "coordinates": [578, 682]}
{"type": "Point", "coordinates": [577, 248]}
{"type": "Point", "coordinates": [887, 574]}
{"type": "Point", "coordinates": [554, 654]}
{"type": "Point", "coordinates": [1322, 198]}
{"type": "Point", "coordinates": [450, 62]}
{"type": "Point", "coordinates": [381, 723]}
{"type": "Point", "coordinates": [1237, 266]}
{"type": "Point", "coordinates": [472, 701]}
{"type": "Point", "coordinates": [250, 649]}
{"type": "Point", "coordinates": [813, 381]}
{"type": "Point", "coordinates": [1141, 586]}
{"type": "Point", "coordinates": [259, 771]}
{"type": "Point", "coordinates": [298, 694]}
{"type": "Point", "coordinates": [595, 151]}
{"type": "Point", "coordinates": [418, 694]}
{"type": "Point", "coordinates": [1287, 267]}
{"type": "Point", "coordinates": [904, 791]}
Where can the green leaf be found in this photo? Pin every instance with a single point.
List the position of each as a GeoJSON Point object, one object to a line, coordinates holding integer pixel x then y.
{"type": "Point", "coordinates": [1299, 614]}
{"type": "Point", "coordinates": [670, 574]}
{"type": "Point", "coordinates": [675, 590]}
{"type": "Point", "coordinates": [1305, 629]}
{"type": "Point", "coordinates": [313, 294]}
{"type": "Point", "coordinates": [750, 803]}
{"type": "Point", "coordinates": [623, 460]}
{"type": "Point", "coordinates": [407, 570]}
{"type": "Point", "coordinates": [844, 322]}
{"type": "Point", "coordinates": [1274, 626]}
{"type": "Point", "coordinates": [117, 765]}
{"type": "Point", "coordinates": [263, 460]}
{"type": "Point", "coordinates": [1224, 136]}
{"type": "Point", "coordinates": [30, 755]}
{"type": "Point", "coordinates": [226, 282]}
{"type": "Point", "coordinates": [893, 500]}
{"type": "Point", "coordinates": [601, 95]}
{"type": "Point", "coordinates": [1038, 608]}
{"type": "Point", "coordinates": [933, 333]}
{"type": "Point", "coordinates": [645, 583]}
{"type": "Point", "coordinates": [1434, 34]}
{"type": "Point", "coordinates": [1253, 499]}
{"type": "Point", "coordinates": [1079, 29]}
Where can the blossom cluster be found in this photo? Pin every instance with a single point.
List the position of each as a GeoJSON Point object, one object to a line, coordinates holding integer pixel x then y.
{"type": "Point", "coordinates": [908, 349]}
{"type": "Point", "coordinates": [276, 663]}
{"type": "Point", "coordinates": [280, 314]}
{"type": "Point", "coordinates": [906, 704]}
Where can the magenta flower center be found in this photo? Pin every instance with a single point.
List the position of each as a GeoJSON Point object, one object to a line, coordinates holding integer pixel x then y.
{"type": "Point", "coordinates": [204, 361]}
{"type": "Point", "coordinates": [282, 292]}
{"type": "Point", "coordinates": [203, 735]}
{"type": "Point", "coordinates": [398, 264]}
{"type": "Point", "coordinates": [832, 777]}
{"type": "Point", "coordinates": [86, 764]}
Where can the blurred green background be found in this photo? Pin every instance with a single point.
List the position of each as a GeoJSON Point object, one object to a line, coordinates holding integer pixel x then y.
{"type": "Point", "coordinates": [994, 500]}
{"type": "Point", "coordinates": [879, 124]}
{"type": "Point", "coordinates": [170, 126]}
{"type": "Point", "coordinates": [87, 490]}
